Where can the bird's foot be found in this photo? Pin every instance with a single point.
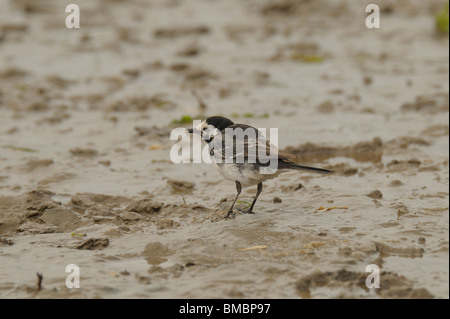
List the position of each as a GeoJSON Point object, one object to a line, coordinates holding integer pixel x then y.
{"type": "Point", "coordinates": [230, 214]}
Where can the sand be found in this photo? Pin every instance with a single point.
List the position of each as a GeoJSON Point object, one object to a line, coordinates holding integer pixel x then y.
{"type": "Point", "coordinates": [86, 176]}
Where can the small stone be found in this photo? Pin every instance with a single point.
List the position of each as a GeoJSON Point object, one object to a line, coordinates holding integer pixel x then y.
{"type": "Point", "coordinates": [180, 186]}
{"type": "Point", "coordinates": [129, 217]}
{"type": "Point", "coordinates": [165, 223]}
{"type": "Point", "coordinates": [144, 206]}
{"type": "Point", "coordinates": [376, 194]}
{"type": "Point", "coordinates": [395, 183]}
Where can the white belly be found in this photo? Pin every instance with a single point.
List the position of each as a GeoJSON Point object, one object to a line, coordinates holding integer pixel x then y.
{"type": "Point", "coordinates": [244, 174]}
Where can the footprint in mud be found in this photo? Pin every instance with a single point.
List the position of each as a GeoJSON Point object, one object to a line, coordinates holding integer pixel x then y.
{"type": "Point", "coordinates": [155, 253]}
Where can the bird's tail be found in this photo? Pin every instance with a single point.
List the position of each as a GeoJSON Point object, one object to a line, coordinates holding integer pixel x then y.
{"type": "Point", "coordinates": [291, 165]}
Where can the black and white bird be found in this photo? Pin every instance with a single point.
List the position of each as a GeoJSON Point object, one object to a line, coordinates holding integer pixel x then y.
{"type": "Point", "coordinates": [242, 154]}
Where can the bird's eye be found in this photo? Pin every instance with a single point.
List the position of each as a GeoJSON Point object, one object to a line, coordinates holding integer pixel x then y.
{"type": "Point", "coordinates": [204, 129]}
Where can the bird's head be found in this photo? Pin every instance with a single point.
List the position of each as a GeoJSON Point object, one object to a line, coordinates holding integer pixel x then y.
{"type": "Point", "coordinates": [211, 127]}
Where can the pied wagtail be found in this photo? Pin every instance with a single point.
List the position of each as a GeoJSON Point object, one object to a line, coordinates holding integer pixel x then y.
{"type": "Point", "coordinates": [241, 153]}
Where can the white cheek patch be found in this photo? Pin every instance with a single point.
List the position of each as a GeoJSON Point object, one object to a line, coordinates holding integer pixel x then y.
{"type": "Point", "coordinates": [207, 131]}
{"type": "Point", "coordinates": [201, 126]}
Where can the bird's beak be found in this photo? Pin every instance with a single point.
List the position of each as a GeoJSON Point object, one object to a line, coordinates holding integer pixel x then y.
{"type": "Point", "coordinates": [190, 130]}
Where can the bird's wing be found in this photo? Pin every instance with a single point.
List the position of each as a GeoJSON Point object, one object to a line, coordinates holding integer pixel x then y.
{"type": "Point", "coordinates": [243, 143]}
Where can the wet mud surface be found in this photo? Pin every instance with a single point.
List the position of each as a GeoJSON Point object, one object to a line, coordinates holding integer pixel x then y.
{"type": "Point", "coordinates": [86, 176]}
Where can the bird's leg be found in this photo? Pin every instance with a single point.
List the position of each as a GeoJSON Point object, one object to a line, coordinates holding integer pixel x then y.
{"type": "Point", "coordinates": [238, 189]}
{"type": "Point", "coordinates": [259, 190]}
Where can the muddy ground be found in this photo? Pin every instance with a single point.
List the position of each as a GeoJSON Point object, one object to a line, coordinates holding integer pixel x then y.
{"type": "Point", "coordinates": [86, 177]}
